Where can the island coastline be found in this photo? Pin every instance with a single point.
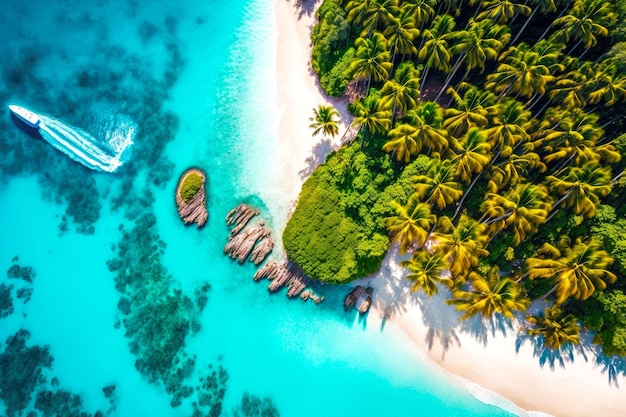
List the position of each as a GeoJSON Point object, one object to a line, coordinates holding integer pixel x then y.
{"type": "Point", "coordinates": [578, 389]}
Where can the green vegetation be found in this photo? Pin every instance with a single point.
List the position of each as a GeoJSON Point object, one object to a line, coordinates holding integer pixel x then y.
{"type": "Point", "coordinates": [191, 185]}
{"type": "Point", "coordinates": [504, 154]}
{"type": "Point", "coordinates": [323, 121]}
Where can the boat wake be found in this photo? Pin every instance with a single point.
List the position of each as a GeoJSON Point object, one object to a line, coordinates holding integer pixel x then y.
{"type": "Point", "coordinates": [101, 155]}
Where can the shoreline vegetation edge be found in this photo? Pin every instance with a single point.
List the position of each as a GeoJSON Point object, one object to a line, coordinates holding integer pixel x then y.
{"type": "Point", "coordinates": [579, 389]}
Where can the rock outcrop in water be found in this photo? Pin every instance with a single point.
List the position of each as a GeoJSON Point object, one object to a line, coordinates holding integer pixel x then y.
{"type": "Point", "coordinates": [193, 211]}
{"type": "Point", "coordinates": [252, 239]}
{"type": "Point", "coordinates": [359, 298]}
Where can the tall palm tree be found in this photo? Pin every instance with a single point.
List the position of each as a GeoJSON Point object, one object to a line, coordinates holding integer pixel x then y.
{"type": "Point", "coordinates": [426, 271]}
{"type": "Point", "coordinates": [370, 118]}
{"type": "Point", "coordinates": [324, 121]}
{"type": "Point", "coordinates": [438, 187]}
{"type": "Point", "coordinates": [427, 118]}
{"type": "Point", "coordinates": [572, 139]}
{"type": "Point", "coordinates": [514, 168]}
{"type": "Point", "coordinates": [525, 208]}
{"type": "Point", "coordinates": [501, 11]}
{"type": "Point", "coordinates": [471, 154]}
{"type": "Point", "coordinates": [378, 14]}
{"type": "Point", "coordinates": [402, 93]}
{"type": "Point", "coordinates": [462, 245]}
{"type": "Point", "coordinates": [578, 268]}
{"type": "Point", "coordinates": [411, 224]}
{"type": "Point", "coordinates": [581, 188]}
{"type": "Point", "coordinates": [509, 126]}
{"type": "Point", "coordinates": [587, 20]}
{"type": "Point", "coordinates": [436, 49]}
{"type": "Point", "coordinates": [609, 85]}
{"type": "Point", "coordinates": [470, 110]}
{"type": "Point", "coordinates": [474, 47]}
{"type": "Point", "coordinates": [400, 34]}
{"type": "Point", "coordinates": [371, 59]}
{"type": "Point", "coordinates": [357, 10]}
{"type": "Point", "coordinates": [490, 295]}
{"type": "Point", "coordinates": [402, 142]}
{"type": "Point", "coordinates": [522, 73]}
{"type": "Point", "coordinates": [422, 10]}
{"type": "Point", "coordinates": [556, 328]}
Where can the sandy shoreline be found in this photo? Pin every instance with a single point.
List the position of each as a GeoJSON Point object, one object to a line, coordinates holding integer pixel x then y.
{"type": "Point", "coordinates": [468, 350]}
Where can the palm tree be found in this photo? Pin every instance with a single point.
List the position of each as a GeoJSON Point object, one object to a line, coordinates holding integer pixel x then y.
{"type": "Point", "coordinates": [609, 85]}
{"type": "Point", "coordinates": [411, 224]}
{"type": "Point", "coordinates": [475, 46]}
{"type": "Point", "coordinates": [402, 142]}
{"type": "Point", "coordinates": [502, 11]}
{"type": "Point", "coordinates": [577, 269]}
{"type": "Point", "coordinates": [400, 33]}
{"type": "Point", "coordinates": [427, 118]}
{"type": "Point", "coordinates": [369, 117]}
{"type": "Point", "coordinates": [422, 10]}
{"type": "Point", "coordinates": [471, 154]}
{"type": "Point", "coordinates": [470, 110]}
{"type": "Point", "coordinates": [436, 49]}
{"type": "Point", "coordinates": [522, 73]}
{"type": "Point", "coordinates": [581, 188]}
{"type": "Point", "coordinates": [462, 245]}
{"type": "Point", "coordinates": [401, 94]}
{"type": "Point", "coordinates": [371, 59]}
{"type": "Point", "coordinates": [438, 187]}
{"type": "Point", "coordinates": [572, 139]}
{"type": "Point", "coordinates": [490, 295]}
{"type": "Point", "coordinates": [324, 121]}
{"type": "Point", "coordinates": [525, 207]}
{"type": "Point", "coordinates": [508, 127]}
{"type": "Point", "coordinates": [586, 21]}
{"type": "Point", "coordinates": [357, 10]}
{"type": "Point", "coordinates": [426, 272]}
{"type": "Point", "coordinates": [555, 328]}
{"type": "Point", "coordinates": [514, 168]}
{"type": "Point", "coordinates": [377, 14]}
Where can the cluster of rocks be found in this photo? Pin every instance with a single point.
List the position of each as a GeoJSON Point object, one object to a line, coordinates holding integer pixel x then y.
{"type": "Point", "coordinates": [359, 298]}
{"type": "Point", "coordinates": [193, 211]}
{"type": "Point", "coordinates": [254, 241]}
{"type": "Point", "coordinates": [288, 274]}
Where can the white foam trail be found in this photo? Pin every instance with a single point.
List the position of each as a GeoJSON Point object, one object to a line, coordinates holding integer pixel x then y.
{"type": "Point", "coordinates": [82, 147]}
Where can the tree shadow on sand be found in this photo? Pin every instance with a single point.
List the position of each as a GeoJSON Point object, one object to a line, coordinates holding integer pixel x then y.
{"type": "Point", "coordinates": [318, 155]}
{"type": "Point", "coordinates": [304, 7]}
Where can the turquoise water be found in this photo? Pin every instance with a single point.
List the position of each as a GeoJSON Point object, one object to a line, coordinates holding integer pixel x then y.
{"type": "Point", "coordinates": [197, 79]}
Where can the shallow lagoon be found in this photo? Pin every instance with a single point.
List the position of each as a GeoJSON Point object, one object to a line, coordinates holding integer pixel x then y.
{"type": "Point", "coordinates": [198, 80]}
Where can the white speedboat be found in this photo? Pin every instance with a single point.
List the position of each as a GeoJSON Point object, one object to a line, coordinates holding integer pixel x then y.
{"type": "Point", "coordinates": [26, 116]}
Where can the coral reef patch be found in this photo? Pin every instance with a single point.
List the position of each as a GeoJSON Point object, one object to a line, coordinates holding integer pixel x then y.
{"type": "Point", "coordinates": [6, 300]}
{"type": "Point", "coordinates": [253, 406]}
{"type": "Point", "coordinates": [24, 375]}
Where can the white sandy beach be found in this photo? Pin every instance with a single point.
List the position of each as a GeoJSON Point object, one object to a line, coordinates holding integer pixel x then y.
{"type": "Point", "coordinates": [467, 350]}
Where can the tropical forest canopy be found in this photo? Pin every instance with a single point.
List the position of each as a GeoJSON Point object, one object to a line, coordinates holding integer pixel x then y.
{"type": "Point", "coordinates": [489, 146]}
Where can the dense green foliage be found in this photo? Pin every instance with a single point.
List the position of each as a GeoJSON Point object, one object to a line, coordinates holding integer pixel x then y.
{"type": "Point", "coordinates": [337, 231]}
{"type": "Point", "coordinates": [331, 55]}
{"type": "Point", "coordinates": [191, 185]}
{"type": "Point", "coordinates": [518, 107]}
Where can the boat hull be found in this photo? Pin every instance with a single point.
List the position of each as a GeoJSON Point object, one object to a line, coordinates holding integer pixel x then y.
{"type": "Point", "coordinates": [26, 116]}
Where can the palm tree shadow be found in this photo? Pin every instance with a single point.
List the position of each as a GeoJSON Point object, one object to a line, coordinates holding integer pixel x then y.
{"type": "Point", "coordinates": [613, 366]}
{"type": "Point", "coordinates": [480, 328]}
{"type": "Point", "coordinates": [441, 320]}
{"type": "Point", "coordinates": [305, 7]}
{"type": "Point", "coordinates": [549, 356]}
{"type": "Point", "coordinates": [318, 155]}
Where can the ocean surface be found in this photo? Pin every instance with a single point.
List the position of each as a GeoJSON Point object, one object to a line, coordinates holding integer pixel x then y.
{"type": "Point", "coordinates": [110, 305]}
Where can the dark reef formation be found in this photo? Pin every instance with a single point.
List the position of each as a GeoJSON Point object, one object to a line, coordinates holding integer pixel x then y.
{"type": "Point", "coordinates": [24, 375]}
{"type": "Point", "coordinates": [252, 406]}
{"type": "Point", "coordinates": [6, 300]}
{"type": "Point", "coordinates": [194, 210]}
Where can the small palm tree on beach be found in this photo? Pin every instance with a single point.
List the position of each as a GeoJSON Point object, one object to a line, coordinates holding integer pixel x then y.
{"type": "Point", "coordinates": [324, 121]}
